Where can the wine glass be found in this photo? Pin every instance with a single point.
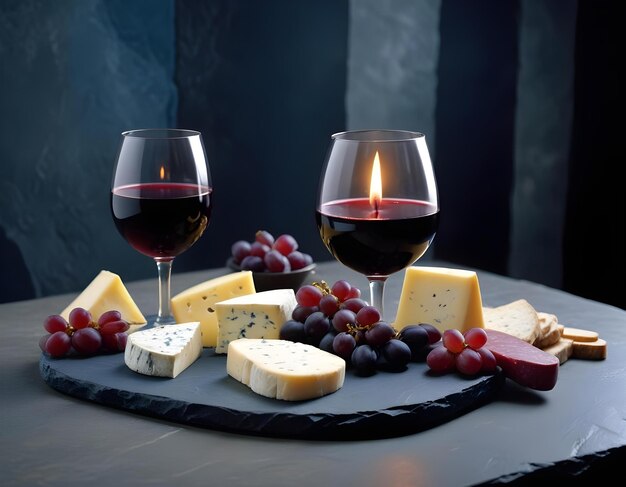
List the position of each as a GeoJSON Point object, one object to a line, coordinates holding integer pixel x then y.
{"type": "Point", "coordinates": [161, 198]}
{"type": "Point", "coordinates": [378, 205]}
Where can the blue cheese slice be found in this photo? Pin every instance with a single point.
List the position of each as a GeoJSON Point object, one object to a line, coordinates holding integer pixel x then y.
{"type": "Point", "coordinates": [258, 315]}
{"type": "Point", "coordinates": [285, 370]}
{"type": "Point", "coordinates": [164, 351]}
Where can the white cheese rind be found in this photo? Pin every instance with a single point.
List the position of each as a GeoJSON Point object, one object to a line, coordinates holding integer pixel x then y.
{"type": "Point", "coordinates": [259, 315]}
{"type": "Point", "coordinates": [285, 370]}
{"type": "Point", "coordinates": [197, 303]}
{"type": "Point", "coordinates": [164, 351]}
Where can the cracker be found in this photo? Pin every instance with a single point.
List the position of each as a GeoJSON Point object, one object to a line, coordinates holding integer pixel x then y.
{"type": "Point", "coordinates": [546, 322]}
{"type": "Point", "coordinates": [518, 318]}
{"type": "Point", "coordinates": [563, 349]}
{"type": "Point", "coordinates": [550, 337]}
{"type": "Point", "coordinates": [579, 335]}
{"type": "Point", "coordinates": [590, 350]}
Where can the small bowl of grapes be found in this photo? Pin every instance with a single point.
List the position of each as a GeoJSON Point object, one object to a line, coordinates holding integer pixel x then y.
{"type": "Point", "coordinates": [276, 263]}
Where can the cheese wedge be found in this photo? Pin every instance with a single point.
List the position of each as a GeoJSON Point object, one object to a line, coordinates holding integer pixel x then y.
{"type": "Point", "coordinates": [198, 302]}
{"type": "Point", "coordinates": [259, 315]}
{"type": "Point", "coordinates": [107, 292]}
{"type": "Point", "coordinates": [164, 351]}
{"type": "Point", "coordinates": [285, 370]}
{"type": "Point", "coordinates": [445, 298]}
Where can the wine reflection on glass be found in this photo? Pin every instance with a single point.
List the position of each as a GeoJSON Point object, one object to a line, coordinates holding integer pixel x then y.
{"type": "Point", "coordinates": [161, 198]}
{"type": "Point", "coordinates": [378, 205]}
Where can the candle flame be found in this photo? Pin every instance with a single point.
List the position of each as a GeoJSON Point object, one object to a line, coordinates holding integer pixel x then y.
{"type": "Point", "coordinates": [376, 185]}
{"type": "Point", "coordinates": [162, 173]}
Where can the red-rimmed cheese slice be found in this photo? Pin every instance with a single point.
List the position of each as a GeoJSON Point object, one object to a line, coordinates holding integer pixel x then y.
{"type": "Point", "coordinates": [522, 362]}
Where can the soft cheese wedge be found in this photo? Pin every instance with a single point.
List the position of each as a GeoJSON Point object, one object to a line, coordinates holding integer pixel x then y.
{"type": "Point", "coordinates": [107, 292]}
{"type": "Point", "coordinates": [164, 351]}
{"type": "Point", "coordinates": [257, 315]}
{"type": "Point", "coordinates": [445, 298]}
{"type": "Point", "coordinates": [198, 302]}
{"type": "Point", "coordinates": [284, 370]}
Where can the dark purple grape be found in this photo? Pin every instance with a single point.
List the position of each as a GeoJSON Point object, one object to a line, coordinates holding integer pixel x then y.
{"type": "Point", "coordinates": [293, 331]}
{"type": "Point", "coordinates": [416, 337]}
{"type": "Point", "coordinates": [297, 260]}
{"type": "Point", "coordinates": [329, 305]}
{"type": "Point", "coordinates": [343, 318]}
{"type": "Point", "coordinates": [354, 304]}
{"type": "Point", "coordinates": [434, 335]}
{"type": "Point", "coordinates": [316, 325]}
{"type": "Point", "coordinates": [240, 250]}
{"type": "Point", "coordinates": [253, 263]}
{"type": "Point", "coordinates": [300, 313]}
{"type": "Point", "coordinates": [264, 237]}
{"type": "Point", "coordinates": [364, 360]}
{"type": "Point", "coordinates": [326, 343]}
{"type": "Point", "coordinates": [276, 262]}
{"type": "Point", "coordinates": [379, 334]}
{"type": "Point", "coordinates": [343, 345]}
{"type": "Point", "coordinates": [397, 353]}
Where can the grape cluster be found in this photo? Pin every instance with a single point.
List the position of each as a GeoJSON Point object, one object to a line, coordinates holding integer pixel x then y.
{"type": "Point", "coordinates": [268, 255]}
{"type": "Point", "coordinates": [82, 335]}
{"type": "Point", "coordinates": [463, 352]}
{"type": "Point", "coordinates": [338, 321]}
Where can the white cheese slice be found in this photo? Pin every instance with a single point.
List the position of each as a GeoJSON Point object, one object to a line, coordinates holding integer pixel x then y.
{"type": "Point", "coordinates": [198, 302]}
{"type": "Point", "coordinates": [164, 351]}
{"type": "Point", "coordinates": [258, 315]}
{"type": "Point", "coordinates": [445, 298]}
{"type": "Point", "coordinates": [285, 370]}
{"type": "Point", "coordinates": [105, 293]}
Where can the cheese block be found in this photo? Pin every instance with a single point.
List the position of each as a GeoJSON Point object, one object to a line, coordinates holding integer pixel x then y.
{"type": "Point", "coordinates": [107, 292]}
{"type": "Point", "coordinates": [445, 298]}
{"type": "Point", "coordinates": [259, 315]}
{"type": "Point", "coordinates": [518, 319]}
{"type": "Point", "coordinates": [164, 351]}
{"type": "Point", "coordinates": [198, 302]}
{"type": "Point", "coordinates": [284, 370]}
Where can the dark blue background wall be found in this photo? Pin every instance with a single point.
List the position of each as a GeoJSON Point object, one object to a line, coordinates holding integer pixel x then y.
{"type": "Point", "coordinates": [505, 93]}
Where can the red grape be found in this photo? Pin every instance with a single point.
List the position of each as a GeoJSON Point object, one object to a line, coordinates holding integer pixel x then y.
{"type": "Point", "coordinates": [354, 304]}
{"type": "Point", "coordinates": [253, 263]}
{"type": "Point", "coordinates": [469, 362]}
{"type": "Point", "coordinates": [329, 305]}
{"type": "Point", "coordinates": [341, 289]}
{"type": "Point", "coordinates": [297, 260]}
{"type": "Point", "coordinates": [343, 318]}
{"type": "Point", "coordinates": [285, 244]}
{"type": "Point", "coordinates": [42, 342]}
{"type": "Point", "coordinates": [109, 316]}
{"type": "Point", "coordinates": [355, 292]}
{"type": "Point", "coordinates": [55, 323]}
{"type": "Point", "coordinates": [475, 338]}
{"type": "Point", "coordinates": [276, 262]}
{"type": "Point", "coordinates": [367, 316]}
{"type": "Point", "coordinates": [240, 250]}
{"type": "Point", "coordinates": [264, 237]}
{"type": "Point", "coordinates": [441, 360]}
{"type": "Point", "coordinates": [343, 345]}
{"type": "Point", "coordinates": [453, 340]}
{"type": "Point", "coordinates": [113, 327]}
{"type": "Point", "coordinates": [115, 342]}
{"type": "Point", "coordinates": [86, 341]}
{"type": "Point", "coordinates": [309, 295]}
{"type": "Point", "coordinates": [80, 318]}
{"type": "Point", "coordinates": [259, 250]}
{"type": "Point", "coordinates": [379, 334]}
{"type": "Point", "coordinates": [489, 361]}
{"type": "Point", "coordinates": [59, 343]}
{"type": "Point", "coordinates": [434, 335]}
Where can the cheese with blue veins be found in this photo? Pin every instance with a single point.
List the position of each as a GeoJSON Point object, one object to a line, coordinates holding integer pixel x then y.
{"type": "Point", "coordinates": [164, 351]}
{"type": "Point", "coordinates": [259, 315]}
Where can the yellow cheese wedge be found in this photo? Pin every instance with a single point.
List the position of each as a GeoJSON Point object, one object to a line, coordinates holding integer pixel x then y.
{"type": "Point", "coordinates": [107, 292]}
{"type": "Point", "coordinates": [198, 302]}
{"type": "Point", "coordinates": [445, 298]}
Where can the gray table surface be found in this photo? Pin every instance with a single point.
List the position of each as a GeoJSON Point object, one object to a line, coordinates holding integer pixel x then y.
{"type": "Point", "coordinates": [47, 438]}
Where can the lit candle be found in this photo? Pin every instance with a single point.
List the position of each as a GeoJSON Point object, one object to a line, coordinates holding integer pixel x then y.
{"type": "Point", "coordinates": [376, 186]}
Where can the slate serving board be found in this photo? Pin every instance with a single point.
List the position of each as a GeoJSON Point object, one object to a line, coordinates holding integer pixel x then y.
{"type": "Point", "coordinates": [384, 405]}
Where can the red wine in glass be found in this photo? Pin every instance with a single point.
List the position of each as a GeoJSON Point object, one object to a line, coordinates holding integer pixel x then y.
{"type": "Point", "coordinates": [161, 219]}
{"type": "Point", "coordinates": [377, 246]}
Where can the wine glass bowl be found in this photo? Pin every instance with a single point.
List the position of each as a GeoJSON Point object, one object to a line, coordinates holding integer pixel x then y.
{"type": "Point", "coordinates": [378, 205]}
{"type": "Point", "coordinates": [161, 198]}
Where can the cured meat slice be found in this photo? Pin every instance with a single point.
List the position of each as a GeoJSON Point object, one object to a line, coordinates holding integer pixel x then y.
{"type": "Point", "coordinates": [522, 362]}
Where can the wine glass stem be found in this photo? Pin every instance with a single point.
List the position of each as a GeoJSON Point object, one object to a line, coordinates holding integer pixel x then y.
{"type": "Point", "coordinates": [377, 292]}
{"type": "Point", "coordinates": [165, 313]}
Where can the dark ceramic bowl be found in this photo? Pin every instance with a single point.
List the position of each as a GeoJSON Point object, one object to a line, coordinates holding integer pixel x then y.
{"type": "Point", "coordinates": [266, 281]}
